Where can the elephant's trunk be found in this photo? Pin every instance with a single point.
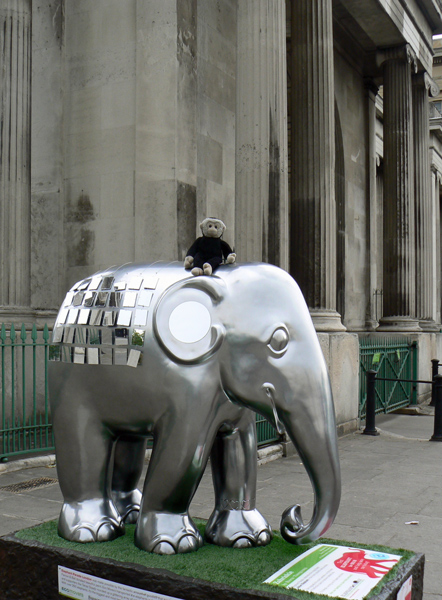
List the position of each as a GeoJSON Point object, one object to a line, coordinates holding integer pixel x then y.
{"type": "Point", "coordinates": [313, 433]}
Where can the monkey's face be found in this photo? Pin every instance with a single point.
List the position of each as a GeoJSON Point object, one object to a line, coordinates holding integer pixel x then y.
{"type": "Point", "coordinates": [212, 228]}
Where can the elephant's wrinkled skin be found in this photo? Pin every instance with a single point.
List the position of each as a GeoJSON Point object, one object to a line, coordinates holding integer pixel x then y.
{"type": "Point", "coordinates": [210, 347]}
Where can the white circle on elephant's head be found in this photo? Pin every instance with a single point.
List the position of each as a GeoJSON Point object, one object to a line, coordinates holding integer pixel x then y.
{"type": "Point", "coordinates": [190, 322]}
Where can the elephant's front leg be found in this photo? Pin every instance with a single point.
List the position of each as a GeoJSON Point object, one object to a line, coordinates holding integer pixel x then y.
{"type": "Point", "coordinates": [179, 457]}
{"type": "Point", "coordinates": [235, 520]}
{"type": "Point", "coordinates": [84, 452]}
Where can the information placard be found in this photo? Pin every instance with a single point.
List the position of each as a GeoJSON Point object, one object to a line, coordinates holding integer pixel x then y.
{"type": "Point", "coordinates": [335, 571]}
{"type": "Point", "coordinates": [81, 586]}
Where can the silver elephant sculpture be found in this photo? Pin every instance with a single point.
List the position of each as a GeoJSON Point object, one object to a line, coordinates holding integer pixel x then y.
{"type": "Point", "coordinates": [146, 349]}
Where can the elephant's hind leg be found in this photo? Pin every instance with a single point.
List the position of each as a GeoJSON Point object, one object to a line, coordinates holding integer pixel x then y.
{"type": "Point", "coordinates": [83, 452]}
{"type": "Point", "coordinates": [128, 466]}
{"type": "Point", "coordinates": [235, 520]}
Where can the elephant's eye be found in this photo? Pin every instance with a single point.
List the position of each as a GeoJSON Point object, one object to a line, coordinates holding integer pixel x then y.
{"type": "Point", "coordinates": [279, 341]}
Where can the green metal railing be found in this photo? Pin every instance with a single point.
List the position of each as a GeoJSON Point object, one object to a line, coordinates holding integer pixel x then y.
{"type": "Point", "coordinates": [25, 418]}
{"type": "Point", "coordinates": [26, 426]}
{"type": "Point", "coordinates": [266, 433]}
{"type": "Point", "coordinates": [394, 359]}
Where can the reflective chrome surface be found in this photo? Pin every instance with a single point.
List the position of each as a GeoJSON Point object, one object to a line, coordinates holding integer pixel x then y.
{"type": "Point", "coordinates": [183, 358]}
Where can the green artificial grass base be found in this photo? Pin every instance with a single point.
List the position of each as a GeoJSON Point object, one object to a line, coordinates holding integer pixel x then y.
{"type": "Point", "coordinates": [242, 569]}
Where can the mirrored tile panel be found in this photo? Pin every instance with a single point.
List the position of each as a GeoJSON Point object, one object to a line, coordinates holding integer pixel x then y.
{"type": "Point", "coordinates": [66, 354]}
{"type": "Point", "coordinates": [106, 356]}
{"type": "Point", "coordinates": [138, 337]}
{"type": "Point", "coordinates": [107, 283]}
{"type": "Point", "coordinates": [80, 335]}
{"type": "Point", "coordinates": [69, 298]}
{"type": "Point", "coordinates": [72, 316]}
{"type": "Point", "coordinates": [115, 299]}
{"type": "Point", "coordinates": [151, 282]}
{"type": "Point", "coordinates": [106, 337]}
{"type": "Point", "coordinates": [69, 335]}
{"type": "Point", "coordinates": [120, 286]}
{"type": "Point", "coordinates": [135, 283]}
{"type": "Point", "coordinates": [101, 299]}
{"type": "Point", "coordinates": [121, 337]}
{"type": "Point", "coordinates": [130, 299]}
{"type": "Point", "coordinates": [78, 299]}
{"type": "Point", "coordinates": [109, 318]}
{"type": "Point", "coordinates": [120, 356]}
{"type": "Point", "coordinates": [93, 356]}
{"type": "Point", "coordinates": [83, 317]}
{"type": "Point", "coordinates": [134, 358]}
{"type": "Point", "coordinates": [140, 318]}
{"type": "Point", "coordinates": [95, 318]}
{"type": "Point", "coordinates": [62, 316]}
{"type": "Point", "coordinates": [145, 298]}
{"type": "Point", "coordinates": [57, 334]}
{"type": "Point", "coordinates": [94, 336]}
{"type": "Point", "coordinates": [79, 355]}
{"type": "Point", "coordinates": [89, 298]}
{"type": "Point", "coordinates": [83, 286]}
{"type": "Point", "coordinates": [95, 283]}
{"type": "Point", "coordinates": [124, 318]}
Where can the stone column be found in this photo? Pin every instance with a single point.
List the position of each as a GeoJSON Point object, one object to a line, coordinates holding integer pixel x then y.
{"type": "Point", "coordinates": [422, 84]}
{"type": "Point", "coordinates": [399, 310]}
{"type": "Point", "coordinates": [436, 181]}
{"type": "Point", "coordinates": [15, 117]}
{"type": "Point", "coordinates": [313, 203]}
{"type": "Point", "coordinates": [372, 238]}
{"type": "Point", "coordinates": [261, 186]}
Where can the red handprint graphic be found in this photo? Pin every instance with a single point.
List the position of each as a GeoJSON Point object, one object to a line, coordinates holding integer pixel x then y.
{"type": "Point", "coordinates": [356, 562]}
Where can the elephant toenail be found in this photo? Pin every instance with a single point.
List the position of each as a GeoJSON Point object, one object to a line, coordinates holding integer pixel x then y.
{"type": "Point", "coordinates": [107, 532]}
{"type": "Point", "coordinates": [83, 535]}
{"type": "Point", "coordinates": [132, 516]}
{"type": "Point", "coordinates": [243, 543]}
{"type": "Point", "coordinates": [164, 548]}
{"type": "Point", "coordinates": [264, 538]}
{"type": "Point", "coordinates": [187, 544]}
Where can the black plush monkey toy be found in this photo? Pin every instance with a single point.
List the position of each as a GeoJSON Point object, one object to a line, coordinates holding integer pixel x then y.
{"type": "Point", "coordinates": [207, 252]}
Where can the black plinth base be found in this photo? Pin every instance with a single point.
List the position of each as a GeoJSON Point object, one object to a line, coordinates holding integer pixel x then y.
{"type": "Point", "coordinates": [29, 570]}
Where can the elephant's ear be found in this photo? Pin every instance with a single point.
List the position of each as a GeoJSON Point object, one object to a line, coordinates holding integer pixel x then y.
{"type": "Point", "coordinates": [183, 320]}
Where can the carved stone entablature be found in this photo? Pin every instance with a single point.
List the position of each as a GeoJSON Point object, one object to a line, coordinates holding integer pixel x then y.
{"type": "Point", "coordinates": [398, 53]}
{"type": "Point", "coordinates": [422, 79]}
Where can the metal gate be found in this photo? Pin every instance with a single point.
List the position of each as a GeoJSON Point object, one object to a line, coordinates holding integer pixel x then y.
{"type": "Point", "coordinates": [25, 420]}
{"type": "Point", "coordinates": [391, 358]}
{"type": "Point", "coordinates": [266, 433]}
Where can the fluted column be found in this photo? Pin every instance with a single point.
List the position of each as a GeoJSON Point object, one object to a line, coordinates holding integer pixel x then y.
{"type": "Point", "coordinates": [399, 308]}
{"type": "Point", "coordinates": [422, 85]}
{"type": "Point", "coordinates": [313, 203]}
{"type": "Point", "coordinates": [261, 187]}
{"type": "Point", "coordinates": [15, 117]}
{"type": "Point", "coordinates": [436, 181]}
{"type": "Point", "coordinates": [372, 204]}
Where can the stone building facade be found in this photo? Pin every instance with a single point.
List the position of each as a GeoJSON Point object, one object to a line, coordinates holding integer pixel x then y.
{"type": "Point", "coordinates": [302, 124]}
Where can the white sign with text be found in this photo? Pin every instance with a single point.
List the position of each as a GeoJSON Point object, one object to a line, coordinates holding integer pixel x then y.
{"type": "Point", "coordinates": [81, 586]}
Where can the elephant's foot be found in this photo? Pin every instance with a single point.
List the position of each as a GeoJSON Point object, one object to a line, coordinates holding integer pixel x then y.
{"type": "Point", "coordinates": [238, 528]}
{"type": "Point", "coordinates": [128, 505]}
{"type": "Point", "coordinates": [90, 521]}
{"type": "Point", "coordinates": [166, 533]}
